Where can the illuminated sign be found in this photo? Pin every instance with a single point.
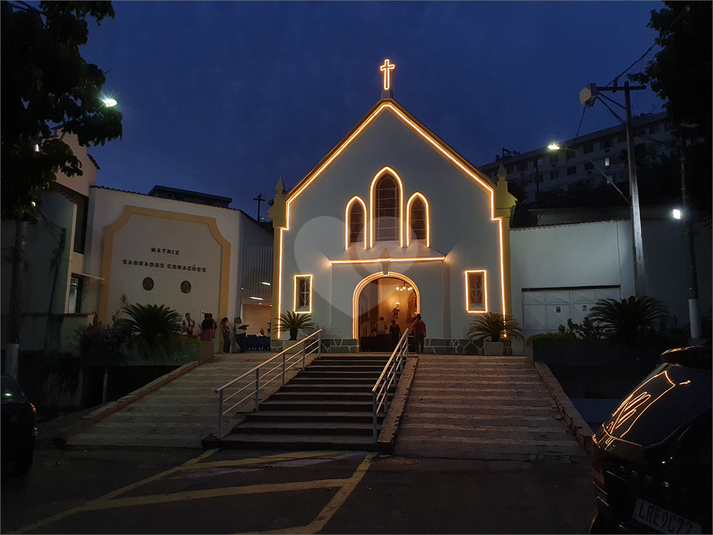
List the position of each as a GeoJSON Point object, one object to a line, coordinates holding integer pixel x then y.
{"type": "Point", "coordinates": [386, 68]}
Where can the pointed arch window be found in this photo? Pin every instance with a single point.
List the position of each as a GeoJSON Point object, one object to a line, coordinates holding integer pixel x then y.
{"type": "Point", "coordinates": [418, 224]}
{"type": "Point", "coordinates": [355, 222]}
{"type": "Point", "coordinates": [387, 209]}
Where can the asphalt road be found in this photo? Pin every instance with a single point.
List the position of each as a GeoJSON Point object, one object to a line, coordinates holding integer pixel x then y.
{"type": "Point", "coordinates": [191, 491]}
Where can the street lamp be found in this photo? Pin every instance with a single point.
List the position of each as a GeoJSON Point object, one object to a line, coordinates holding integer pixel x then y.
{"type": "Point", "coordinates": [555, 146]}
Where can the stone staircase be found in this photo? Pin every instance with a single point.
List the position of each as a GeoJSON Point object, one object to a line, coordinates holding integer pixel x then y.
{"type": "Point", "coordinates": [326, 406]}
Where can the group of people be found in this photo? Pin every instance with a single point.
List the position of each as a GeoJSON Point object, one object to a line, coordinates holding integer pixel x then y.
{"type": "Point", "coordinates": [206, 331]}
{"type": "Point", "coordinates": [418, 328]}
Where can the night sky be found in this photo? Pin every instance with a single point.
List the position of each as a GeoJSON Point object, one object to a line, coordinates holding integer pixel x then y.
{"type": "Point", "coordinates": [226, 97]}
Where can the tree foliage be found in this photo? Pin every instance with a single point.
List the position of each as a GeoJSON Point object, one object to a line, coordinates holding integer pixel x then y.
{"type": "Point", "coordinates": [46, 84]}
{"type": "Point", "coordinates": [628, 320]}
{"type": "Point", "coordinates": [681, 71]}
{"type": "Point", "coordinates": [492, 325]}
{"type": "Point", "coordinates": [152, 325]}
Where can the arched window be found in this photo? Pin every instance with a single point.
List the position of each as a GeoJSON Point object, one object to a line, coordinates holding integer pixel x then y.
{"type": "Point", "coordinates": [418, 219]}
{"type": "Point", "coordinates": [386, 210]}
{"type": "Point", "coordinates": [356, 222]}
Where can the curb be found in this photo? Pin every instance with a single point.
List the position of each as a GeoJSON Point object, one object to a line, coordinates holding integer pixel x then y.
{"type": "Point", "coordinates": [571, 415]}
{"type": "Point", "coordinates": [390, 425]}
{"type": "Point", "coordinates": [60, 439]}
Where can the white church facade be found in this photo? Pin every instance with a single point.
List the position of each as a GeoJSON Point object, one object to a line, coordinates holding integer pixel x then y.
{"type": "Point", "coordinates": [392, 223]}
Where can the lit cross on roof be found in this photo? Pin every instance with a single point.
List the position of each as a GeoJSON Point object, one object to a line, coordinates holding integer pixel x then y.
{"type": "Point", "coordinates": [386, 68]}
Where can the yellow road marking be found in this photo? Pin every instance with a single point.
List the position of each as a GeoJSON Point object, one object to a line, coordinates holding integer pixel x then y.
{"type": "Point", "coordinates": [213, 493]}
{"type": "Point", "coordinates": [192, 464]}
{"type": "Point", "coordinates": [334, 504]}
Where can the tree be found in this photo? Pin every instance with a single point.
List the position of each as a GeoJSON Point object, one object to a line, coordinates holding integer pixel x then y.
{"type": "Point", "coordinates": [681, 71]}
{"type": "Point", "coordinates": [47, 85]}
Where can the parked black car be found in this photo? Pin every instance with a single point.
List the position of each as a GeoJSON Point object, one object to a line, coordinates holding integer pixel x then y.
{"type": "Point", "coordinates": [651, 459]}
{"type": "Point", "coordinates": [19, 426]}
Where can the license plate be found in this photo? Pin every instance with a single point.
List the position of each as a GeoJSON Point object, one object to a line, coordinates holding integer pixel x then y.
{"type": "Point", "coordinates": [663, 520]}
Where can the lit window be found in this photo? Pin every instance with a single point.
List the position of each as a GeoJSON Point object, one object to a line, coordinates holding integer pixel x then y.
{"type": "Point", "coordinates": [356, 223]}
{"type": "Point", "coordinates": [386, 220]}
{"type": "Point", "coordinates": [417, 223]}
{"type": "Point", "coordinates": [606, 162]}
{"type": "Point", "coordinates": [303, 293]}
{"type": "Point", "coordinates": [476, 291]}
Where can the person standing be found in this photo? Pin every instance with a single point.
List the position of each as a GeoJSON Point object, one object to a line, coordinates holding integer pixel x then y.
{"type": "Point", "coordinates": [419, 333]}
{"type": "Point", "coordinates": [207, 328]}
{"type": "Point", "coordinates": [395, 333]}
{"type": "Point", "coordinates": [188, 325]}
{"type": "Point", "coordinates": [225, 331]}
{"type": "Point", "coordinates": [240, 334]}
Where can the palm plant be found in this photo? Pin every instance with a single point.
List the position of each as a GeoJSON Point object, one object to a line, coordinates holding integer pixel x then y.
{"type": "Point", "coordinates": [151, 324]}
{"type": "Point", "coordinates": [492, 325]}
{"type": "Point", "coordinates": [293, 322]}
{"type": "Point", "coordinates": [627, 320]}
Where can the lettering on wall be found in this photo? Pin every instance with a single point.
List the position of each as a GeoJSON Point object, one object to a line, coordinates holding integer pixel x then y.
{"type": "Point", "coordinates": [164, 265]}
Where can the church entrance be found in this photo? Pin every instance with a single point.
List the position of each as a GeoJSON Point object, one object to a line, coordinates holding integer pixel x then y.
{"type": "Point", "coordinates": [382, 302]}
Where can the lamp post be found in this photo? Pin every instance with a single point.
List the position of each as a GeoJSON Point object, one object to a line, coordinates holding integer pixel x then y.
{"type": "Point", "coordinates": [555, 146]}
{"type": "Point", "coordinates": [588, 96]}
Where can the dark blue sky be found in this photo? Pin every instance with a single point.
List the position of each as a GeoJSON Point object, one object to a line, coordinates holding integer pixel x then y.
{"type": "Point", "coordinates": [226, 97]}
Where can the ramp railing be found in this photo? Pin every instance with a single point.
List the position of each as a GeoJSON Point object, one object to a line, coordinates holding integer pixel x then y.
{"type": "Point", "coordinates": [286, 360]}
{"type": "Point", "coordinates": [389, 377]}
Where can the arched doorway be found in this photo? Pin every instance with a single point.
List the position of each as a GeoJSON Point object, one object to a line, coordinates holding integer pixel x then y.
{"type": "Point", "coordinates": [378, 299]}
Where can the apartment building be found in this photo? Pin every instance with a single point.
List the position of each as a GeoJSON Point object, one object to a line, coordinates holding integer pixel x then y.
{"type": "Point", "coordinates": [585, 162]}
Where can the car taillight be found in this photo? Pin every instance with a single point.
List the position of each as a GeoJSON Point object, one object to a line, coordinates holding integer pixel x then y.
{"type": "Point", "coordinates": [597, 469]}
{"type": "Point", "coordinates": [33, 415]}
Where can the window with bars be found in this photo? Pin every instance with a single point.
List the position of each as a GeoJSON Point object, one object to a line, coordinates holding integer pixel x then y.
{"type": "Point", "coordinates": [356, 223]}
{"type": "Point", "coordinates": [303, 293]}
{"type": "Point", "coordinates": [418, 219]}
{"type": "Point", "coordinates": [386, 210]}
{"type": "Point", "coordinates": [476, 291]}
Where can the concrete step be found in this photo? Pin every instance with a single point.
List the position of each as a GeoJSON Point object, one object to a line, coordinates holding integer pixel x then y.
{"type": "Point", "coordinates": [311, 405]}
{"type": "Point", "coordinates": [311, 416]}
{"type": "Point", "coordinates": [291, 442]}
{"type": "Point", "coordinates": [311, 395]}
{"type": "Point", "coordinates": [327, 387]}
{"type": "Point", "coordinates": [306, 428]}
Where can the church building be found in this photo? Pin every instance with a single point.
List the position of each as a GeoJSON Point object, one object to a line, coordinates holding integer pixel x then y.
{"type": "Point", "coordinates": [392, 223]}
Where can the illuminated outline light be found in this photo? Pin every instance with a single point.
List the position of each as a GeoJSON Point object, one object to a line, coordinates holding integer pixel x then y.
{"type": "Point", "coordinates": [367, 280]}
{"type": "Point", "coordinates": [386, 68]}
{"type": "Point", "coordinates": [347, 220]}
{"type": "Point", "coordinates": [294, 303]}
{"type": "Point", "coordinates": [386, 171]}
{"type": "Point", "coordinates": [408, 218]}
{"type": "Point", "coordinates": [485, 292]}
{"type": "Point", "coordinates": [375, 260]}
{"type": "Point", "coordinates": [306, 182]}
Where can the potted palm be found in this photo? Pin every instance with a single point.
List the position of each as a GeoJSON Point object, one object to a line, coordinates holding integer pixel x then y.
{"type": "Point", "coordinates": [490, 327]}
{"type": "Point", "coordinates": [294, 323]}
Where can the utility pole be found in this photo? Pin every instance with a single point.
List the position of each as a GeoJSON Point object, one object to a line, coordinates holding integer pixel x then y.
{"type": "Point", "coordinates": [587, 96]}
{"type": "Point", "coordinates": [693, 317]}
{"type": "Point", "coordinates": [259, 200]}
{"type": "Point", "coordinates": [12, 353]}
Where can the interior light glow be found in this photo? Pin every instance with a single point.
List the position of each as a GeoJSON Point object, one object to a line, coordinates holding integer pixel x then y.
{"type": "Point", "coordinates": [386, 68]}
{"type": "Point", "coordinates": [359, 287]}
{"type": "Point", "coordinates": [408, 218]}
{"type": "Point", "coordinates": [386, 171]}
{"type": "Point", "coordinates": [266, 283]}
{"type": "Point", "coordinates": [347, 221]}
{"type": "Point", "coordinates": [256, 298]}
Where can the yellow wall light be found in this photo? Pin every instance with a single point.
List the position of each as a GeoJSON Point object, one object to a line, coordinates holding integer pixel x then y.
{"type": "Point", "coordinates": [347, 219]}
{"type": "Point", "coordinates": [376, 260]}
{"type": "Point", "coordinates": [295, 303]}
{"type": "Point", "coordinates": [485, 292]}
{"type": "Point", "coordinates": [412, 198]}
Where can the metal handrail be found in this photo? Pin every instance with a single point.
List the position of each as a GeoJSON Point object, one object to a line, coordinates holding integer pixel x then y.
{"type": "Point", "coordinates": [316, 338]}
{"type": "Point", "coordinates": [389, 376]}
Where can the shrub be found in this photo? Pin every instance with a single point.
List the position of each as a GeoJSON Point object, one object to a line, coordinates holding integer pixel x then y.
{"type": "Point", "coordinates": [293, 322]}
{"type": "Point", "coordinates": [492, 325]}
{"type": "Point", "coordinates": [628, 320]}
{"type": "Point", "coordinates": [150, 325]}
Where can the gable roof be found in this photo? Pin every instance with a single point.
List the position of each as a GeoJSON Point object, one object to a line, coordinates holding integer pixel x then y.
{"type": "Point", "coordinates": [390, 105]}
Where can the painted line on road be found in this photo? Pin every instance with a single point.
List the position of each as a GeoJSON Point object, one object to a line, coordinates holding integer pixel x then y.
{"type": "Point", "coordinates": [192, 464]}
{"type": "Point", "coordinates": [334, 504]}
